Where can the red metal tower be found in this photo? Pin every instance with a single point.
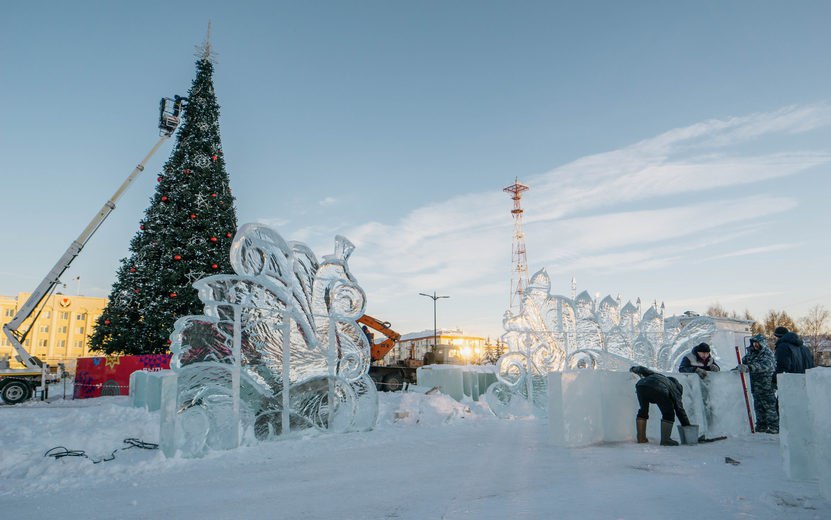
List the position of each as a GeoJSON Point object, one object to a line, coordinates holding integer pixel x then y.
{"type": "Point", "coordinates": [519, 274]}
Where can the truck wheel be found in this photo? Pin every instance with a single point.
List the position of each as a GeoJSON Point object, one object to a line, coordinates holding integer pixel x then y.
{"type": "Point", "coordinates": [393, 382]}
{"type": "Point", "coordinates": [15, 391]}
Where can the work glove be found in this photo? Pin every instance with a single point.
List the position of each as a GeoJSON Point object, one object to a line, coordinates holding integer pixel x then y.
{"type": "Point", "coordinates": [744, 368]}
{"type": "Point", "coordinates": [701, 372]}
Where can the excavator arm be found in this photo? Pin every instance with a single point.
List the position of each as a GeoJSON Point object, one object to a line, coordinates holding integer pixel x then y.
{"type": "Point", "coordinates": [380, 349]}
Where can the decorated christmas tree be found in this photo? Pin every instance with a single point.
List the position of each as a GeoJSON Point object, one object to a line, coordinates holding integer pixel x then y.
{"type": "Point", "coordinates": [185, 234]}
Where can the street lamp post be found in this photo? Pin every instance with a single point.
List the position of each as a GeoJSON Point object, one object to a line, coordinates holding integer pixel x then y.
{"type": "Point", "coordinates": [434, 298]}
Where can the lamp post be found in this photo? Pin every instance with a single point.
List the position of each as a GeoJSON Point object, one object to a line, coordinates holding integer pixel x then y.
{"type": "Point", "coordinates": [434, 298]}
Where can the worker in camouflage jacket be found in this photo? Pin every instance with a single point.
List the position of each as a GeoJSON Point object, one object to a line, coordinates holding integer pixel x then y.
{"type": "Point", "coordinates": [760, 363]}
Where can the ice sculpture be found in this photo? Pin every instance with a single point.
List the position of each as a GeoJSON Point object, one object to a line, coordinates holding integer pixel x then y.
{"type": "Point", "coordinates": [277, 348]}
{"type": "Point", "coordinates": [535, 350]}
{"type": "Point", "coordinates": [552, 333]}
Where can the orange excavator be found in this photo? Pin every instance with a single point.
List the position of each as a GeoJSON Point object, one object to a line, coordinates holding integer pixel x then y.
{"type": "Point", "coordinates": [380, 349]}
{"type": "Point", "coordinates": [387, 377]}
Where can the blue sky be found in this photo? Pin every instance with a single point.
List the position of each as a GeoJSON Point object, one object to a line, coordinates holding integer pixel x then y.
{"type": "Point", "coordinates": [674, 153]}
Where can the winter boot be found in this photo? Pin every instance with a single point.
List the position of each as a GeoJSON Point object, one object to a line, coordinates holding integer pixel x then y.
{"type": "Point", "coordinates": [666, 433]}
{"type": "Point", "coordinates": [640, 423]}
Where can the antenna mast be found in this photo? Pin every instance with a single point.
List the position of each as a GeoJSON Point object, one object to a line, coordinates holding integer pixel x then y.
{"type": "Point", "coordinates": [519, 261]}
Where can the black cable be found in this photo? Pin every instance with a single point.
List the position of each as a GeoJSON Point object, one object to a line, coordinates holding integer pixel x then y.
{"type": "Point", "coordinates": [132, 442]}
{"type": "Point", "coordinates": [65, 453]}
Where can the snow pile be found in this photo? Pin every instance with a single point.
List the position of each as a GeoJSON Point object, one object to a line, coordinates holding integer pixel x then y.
{"type": "Point", "coordinates": [430, 456]}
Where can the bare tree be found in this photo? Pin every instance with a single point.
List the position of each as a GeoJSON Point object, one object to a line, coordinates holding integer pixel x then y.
{"type": "Point", "coordinates": [778, 319]}
{"type": "Point", "coordinates": [755, 327]}
{"type": "Point", "coordinates": [717, 311]}
{"type": "Point", "coordinates": [814, 326]}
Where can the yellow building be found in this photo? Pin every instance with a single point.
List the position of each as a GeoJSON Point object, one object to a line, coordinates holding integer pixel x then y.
{"type": "Point", "coordinates": [61, 331]}
{"type": "Point", "coordinates": [462, 349]}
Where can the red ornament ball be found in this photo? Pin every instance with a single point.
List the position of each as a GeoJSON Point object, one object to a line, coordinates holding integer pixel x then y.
{"type": "Point", "coordinates": [164, 198]}
{"type": "Point", "coordinates": [214, 239]}
{"type": "Point", "coordinates": [193, 216]}
{"type": "Point", "coordinates": [186, 171]}
{"type": "Point", "coordinates": [158, 179]}
{"type": "Point", "coordinates": [214, 157]}
{"type": "Point", "coordinates": [106, 322]}
{"type": "Point", "coordinates": [132, 269]}
{"type": "Point", "coordinates": [214, 266]}
{"type": "Point", "coordinates": [228, 235]}
{"type": "Point", "coordinates": [141, 227]}
{"type": "Point", "coordinates": [169, 342]}
{"type": "Point", "coordinates": [213, 195]}
{"type": "Point", "coordinates": [136, 291]}
{"type": "Point", "coordinates": [173, 295]}
{"type": "Point", "coordinates": [177, 257]}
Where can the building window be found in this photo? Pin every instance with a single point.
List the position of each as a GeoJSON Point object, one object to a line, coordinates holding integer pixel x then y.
{"type": "Point", "coordinates": [65, 315]}
{"type": "Point", "coordinates": [47, 314]}
{"type": "Point", "coordinates": [62, 343]}
{"type": "Point", "coordinates": [79, 344]}
{"type": "Point", "coordinates": [81, 317]}
{"type": "Point", "coordinates": [44, 328]}
{"type": "Point", "coordinates": [9, 312]}
{"type": "Point", "coordinates": [80, 330]}
{"type": "Point", "coordinates": [62, 330]}
{"type": "Point", "coordinates": [44, 343]}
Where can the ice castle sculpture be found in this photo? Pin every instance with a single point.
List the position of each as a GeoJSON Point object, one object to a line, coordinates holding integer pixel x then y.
{"type": "Point", "coordinates": [554, 333]}
{"type": "Point", "coordinates": [277, 349]}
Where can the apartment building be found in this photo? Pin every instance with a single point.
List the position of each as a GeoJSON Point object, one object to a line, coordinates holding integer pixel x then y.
{"type": "Point", "coordinates": [61, 331]}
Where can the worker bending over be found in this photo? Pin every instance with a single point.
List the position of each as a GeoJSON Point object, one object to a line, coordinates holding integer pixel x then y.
{"type": "Point", "coordinates": [666, 392]}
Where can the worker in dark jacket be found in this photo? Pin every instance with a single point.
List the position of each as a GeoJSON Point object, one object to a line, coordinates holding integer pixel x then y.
{"type": "Point", "coordinates": [761, 365]}
{"type": "Point", "coordinates": [666, 392]}
{"type": "Point", "coordinates": [699, 361]}
{"type": "Point", "coordinates": [791, 355]}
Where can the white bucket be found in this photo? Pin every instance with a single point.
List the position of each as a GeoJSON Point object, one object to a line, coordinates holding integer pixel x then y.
{"type": "Point", "coordinates": [688, 434]}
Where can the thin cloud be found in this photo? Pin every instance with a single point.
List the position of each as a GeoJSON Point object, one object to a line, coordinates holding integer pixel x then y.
{"type": "Point", "coordinates": [757, 250]}
{"type": "Point", "coordinates": [647, 206]}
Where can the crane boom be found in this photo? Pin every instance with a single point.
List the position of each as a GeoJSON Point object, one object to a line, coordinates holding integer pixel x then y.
{"type": "Point", "coordinates": [168, 124]}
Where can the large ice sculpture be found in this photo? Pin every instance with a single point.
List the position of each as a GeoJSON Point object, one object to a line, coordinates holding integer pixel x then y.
{"type": "Point", "coordinates": [277, 349]}
{"type": "Point", "coordinates": [553, 333]}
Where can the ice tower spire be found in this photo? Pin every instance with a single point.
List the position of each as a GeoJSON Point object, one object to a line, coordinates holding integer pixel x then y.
{"type": "Point", "coordinates": [519, 276]}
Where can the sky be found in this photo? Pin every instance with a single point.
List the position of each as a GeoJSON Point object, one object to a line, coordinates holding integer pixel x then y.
{"type": "Point", "coordinates": [427, 457]}
{"type": "Point", "coordinates": [676, 153]}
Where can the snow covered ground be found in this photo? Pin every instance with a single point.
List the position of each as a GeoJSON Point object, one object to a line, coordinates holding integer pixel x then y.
{"type": "Point", "coordinates": [429, 457]}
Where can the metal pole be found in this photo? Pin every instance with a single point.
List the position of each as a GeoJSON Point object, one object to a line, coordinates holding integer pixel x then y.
{"type": "Point", "coordinates": [744, 387]}
{"type": "Point", "coordinates": [435, 328]}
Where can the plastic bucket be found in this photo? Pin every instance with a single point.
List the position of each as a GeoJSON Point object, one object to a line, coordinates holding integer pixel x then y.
{"type": "Point", "coordinates": [688, 434]}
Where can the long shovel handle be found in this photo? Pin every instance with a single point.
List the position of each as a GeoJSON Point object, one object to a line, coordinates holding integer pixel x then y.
{"type": "Point", "coordinates": [744, 388]}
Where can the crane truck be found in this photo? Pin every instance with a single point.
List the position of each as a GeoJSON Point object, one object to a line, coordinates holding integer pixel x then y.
{"type": "Point", "coordinates": [19, 385]}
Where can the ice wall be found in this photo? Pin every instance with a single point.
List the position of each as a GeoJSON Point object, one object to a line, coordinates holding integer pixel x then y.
{"type": "Point", "coordinates": [818, 387]}
{"type": "Point", "coordinates": [796, 438]}
{"type": "Point", "coordinates": [457, 381]}
{"type": "Point", "coordinates": [593, 406]}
